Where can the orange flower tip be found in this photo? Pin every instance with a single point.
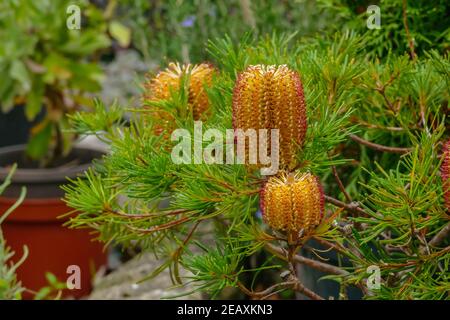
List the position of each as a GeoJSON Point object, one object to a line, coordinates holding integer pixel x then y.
{"type": "Point", "coordinates": [293, 203]}
{"type": "Point", "coordinates": [165, 82]}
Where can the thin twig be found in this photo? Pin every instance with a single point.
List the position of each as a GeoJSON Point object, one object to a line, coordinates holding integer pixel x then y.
{"type": "Point", "coordinates": [333, 246]}
{"type": "Point", "coordinates": [351, 207]}
{"type": "Point", "coordinates": [161, 227]}
{"type": "Point", "coordinates": [264, 293]}
{"type": "Point", "coordinates": [341, 250]}
{"type": "Point", "coordinates": [440, 236]}
{"type": "Point", "coordinates": [298, 286]}
{"type": "Point", "coordinates": [321, 266]}
{"type": "Point", "coordinates": [388, 102]}
{"type": "Point", "coordinates": [381, 89]}
{"type": "Point", "coordinates": [146, 215]}
{"type": "Point", "coordinates": [375, 126]}
{"type": "Point", "coordinates": [177, 253]}
{"type": "Point", "coordinates": [379, 147]}
{"type": "Point", "coordinates": [340, 184]}
{"type": "Point", "coordinates": [408, 34]}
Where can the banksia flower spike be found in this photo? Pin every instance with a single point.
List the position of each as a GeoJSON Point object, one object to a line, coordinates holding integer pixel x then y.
{"type": "Point", "coordinates": [271, 97]}
{"type": "Point", "coordinates": [445, 174]}
{"type": "Point", "coordinates": [170, 79]}
{"type": "Point", "coordinates": [293, 203]}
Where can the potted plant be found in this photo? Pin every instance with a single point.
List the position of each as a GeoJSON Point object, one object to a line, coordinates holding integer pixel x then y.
{"type": "Point", "coordinates": [48, 69]}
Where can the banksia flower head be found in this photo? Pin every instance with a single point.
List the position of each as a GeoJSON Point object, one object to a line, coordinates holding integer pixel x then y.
{"type": "Point", "coordinates": [445, 174]}
{"type": "Point", "coordinates": [292, 203]}
{"type": "Point", "coordinates": [271, 97]}
{"type": "Point", "coordinates": [170, 79]}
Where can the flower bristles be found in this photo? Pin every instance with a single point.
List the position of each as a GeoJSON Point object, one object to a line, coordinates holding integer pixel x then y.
{"type": "Point", "coordinates": [271, 97]}
{"type": "Point", "coordinates": [293, 203]}
{"type": "Point", "coordinates": [169, 80]}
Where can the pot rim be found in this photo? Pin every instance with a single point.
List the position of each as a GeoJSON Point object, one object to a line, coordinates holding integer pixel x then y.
{"type": "Point", "coordinates": [44, 175]}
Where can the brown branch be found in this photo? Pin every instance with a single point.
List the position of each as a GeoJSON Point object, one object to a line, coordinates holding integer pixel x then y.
{"type": "Point", "coordinates": [340, 184]}
{"type": "Point", "coordinates": [440, 236]}
{"type": "Point", "coordinates": [146, 215]}
{"type": "Point", "coordinates": [291, 257]}
{"type": "Point", "coordinates": [351, 207]}
{"type": "Point", "coordinates": [298, 286]}
{"type": "Point", "coordinates": [264, 293]}
{"type": "Point", "coordinates": [379, 147]}
{"type": "Point", "coordinates": [292, 283]}
{"type": "Point", "coordinates": [321, 266]}
{"type": "Point", "coordinates": [374, 126]}
{"type": "Point", "coordinates": [177, 253]}
{"type": "Point", "coordinates": [161, 227]}
{"type": "Point", "coordinates": [381, 89]}
{"type": "Point", "coordinates": [408, 34]}
{"type": "Point", "coordinates": [388, 102]}
{"type": "Point", "coordinates": [333, 246]}
{"type": "Point", "coordinates": [341, 250]}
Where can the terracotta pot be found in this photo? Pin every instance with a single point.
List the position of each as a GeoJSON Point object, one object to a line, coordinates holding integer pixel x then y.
{"type": "Point", "coordinates": [35, 223]}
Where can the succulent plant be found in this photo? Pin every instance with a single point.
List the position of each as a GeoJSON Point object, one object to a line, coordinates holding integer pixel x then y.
{"type": "Point", "coordinates": [271, 97]}
{"type": "Point", "coordinates": [293, 203]}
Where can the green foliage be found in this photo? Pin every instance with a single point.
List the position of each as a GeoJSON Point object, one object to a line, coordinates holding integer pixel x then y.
{"type": "Point", "coordinates": [46, 65]}
{"type": "Point", "coordinates": [102, 121]}
{"type": "Point", "coordinates": [404, 211]}
{"type": "Point", "coordinates": [53, 290]}
{"type": "Point", "coordinates": [425, 20]}
{"type": "Point", "coordinates": [215, 270]}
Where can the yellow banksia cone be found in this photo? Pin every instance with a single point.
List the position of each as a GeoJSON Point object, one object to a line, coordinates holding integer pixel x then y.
{"type": "Point", "coordinates": [271, 97]}
{"type": "Point", "coordinates": [293, 203]}
{"type": "Point", "coordinates": [168, 80]}
{"type": "Point", "coordinates": [445, 174]}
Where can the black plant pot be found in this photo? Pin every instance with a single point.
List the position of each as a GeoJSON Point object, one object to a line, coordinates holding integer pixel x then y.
{"type": "Point", "coordinates": [15, 127]}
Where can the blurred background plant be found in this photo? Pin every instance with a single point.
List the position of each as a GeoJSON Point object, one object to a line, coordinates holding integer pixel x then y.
{"type": "Point", "coordinates": [163, 31]}
{"type": "Point", "coordinates": [179, 30]}
{"type": "Point", "coordinates": [10, 287]}
{"type": "Point", "coordinates": [48, 68]}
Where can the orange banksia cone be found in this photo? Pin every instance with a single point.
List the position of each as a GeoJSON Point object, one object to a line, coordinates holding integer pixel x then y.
{"type": "Point", "coordinates": [445, 174]}
{"type": "Point", "coordinates": [170, 79]}
{"type": "Point", "coordinates": [292, 203]}
{"type": "Point", "coordinates": [271, 97]}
